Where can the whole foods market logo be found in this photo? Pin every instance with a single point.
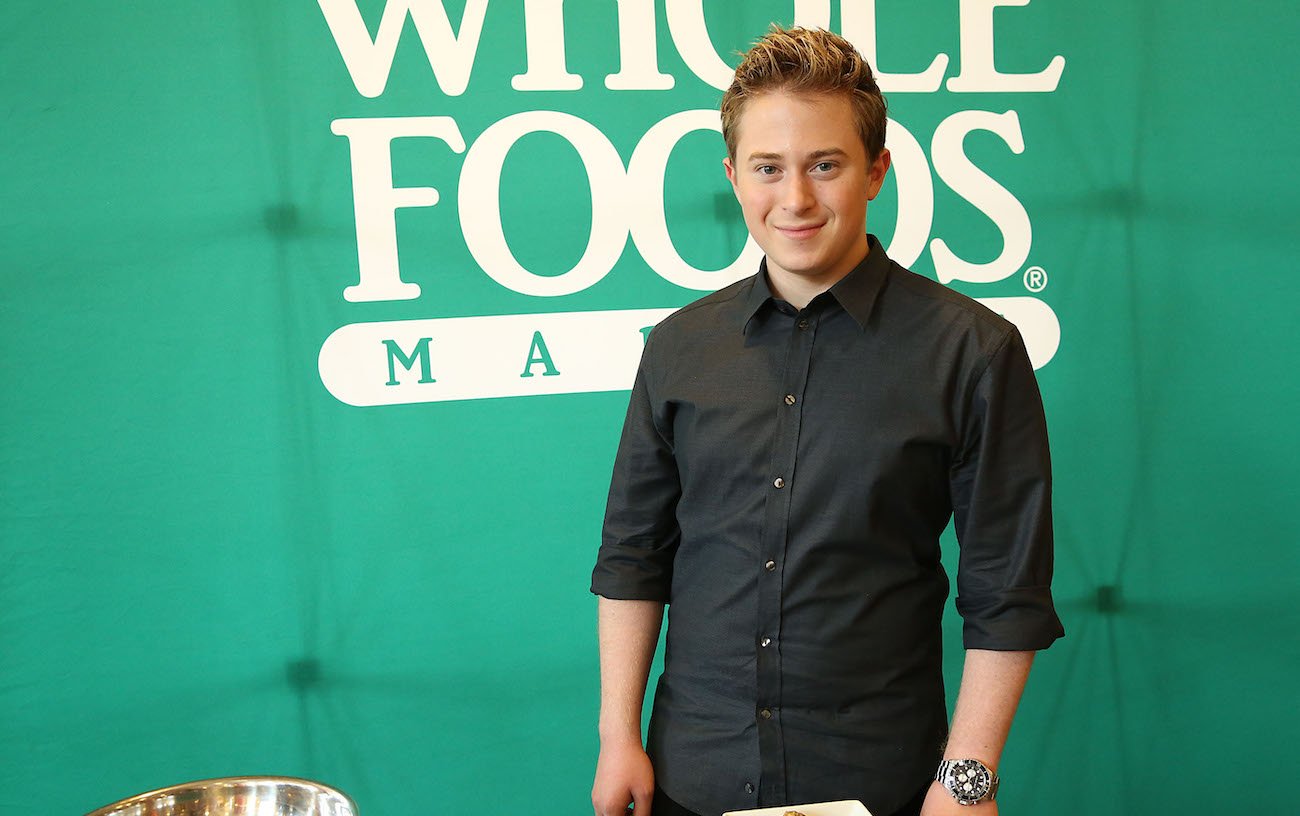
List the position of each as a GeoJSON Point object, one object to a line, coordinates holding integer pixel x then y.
{"type": "Point", "coordinates": [554, 351]}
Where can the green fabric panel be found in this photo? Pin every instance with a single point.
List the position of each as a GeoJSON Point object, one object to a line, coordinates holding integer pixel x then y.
{"type": "Point", "coordinates": [210, 566]}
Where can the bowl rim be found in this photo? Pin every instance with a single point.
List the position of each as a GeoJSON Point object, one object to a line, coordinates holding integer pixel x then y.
{"type": "Point", "coordinates": [199, 784]}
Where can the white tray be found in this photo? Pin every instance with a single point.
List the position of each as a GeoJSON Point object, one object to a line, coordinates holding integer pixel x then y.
{"type": "Point", "coordinates": [848, 807]}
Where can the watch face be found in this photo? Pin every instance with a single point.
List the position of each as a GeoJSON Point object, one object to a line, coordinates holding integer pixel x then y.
{"type": "Point", "coordinates": [969, 781]}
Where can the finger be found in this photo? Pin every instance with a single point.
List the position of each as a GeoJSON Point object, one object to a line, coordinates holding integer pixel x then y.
{"type": "Point", "coordinates": [605, 807]}
{"type": "Point", "coordinates": [641, 803]}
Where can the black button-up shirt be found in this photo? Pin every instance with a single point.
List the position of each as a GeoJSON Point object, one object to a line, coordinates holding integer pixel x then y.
{"type": "Point", "coordinates": [782, 482]}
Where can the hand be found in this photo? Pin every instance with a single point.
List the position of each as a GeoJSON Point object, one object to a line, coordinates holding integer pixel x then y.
{"type": "Point", "coordinates": [939, 802]}
{"type": "Point", "coordinates": [624, 777]}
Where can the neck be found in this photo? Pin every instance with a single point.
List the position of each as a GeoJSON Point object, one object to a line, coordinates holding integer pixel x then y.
{"type": "Point", "coordinates": [796, 290]}
{"type": "Point", "coordinates": [799, 290]}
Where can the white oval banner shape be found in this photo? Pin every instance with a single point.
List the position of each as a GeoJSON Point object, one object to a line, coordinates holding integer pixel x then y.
{"type": "Point", "coordinates": [464, 358]}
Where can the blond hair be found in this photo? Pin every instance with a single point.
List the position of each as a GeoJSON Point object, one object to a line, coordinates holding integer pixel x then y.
{"type": "Point", "coordinates": [808, 61]}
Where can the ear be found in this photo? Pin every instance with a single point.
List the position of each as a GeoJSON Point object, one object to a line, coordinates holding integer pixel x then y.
{"type": "Point", "coordinates": [876, 173]}
{"type": "Point", "coordinates": [731, 174]}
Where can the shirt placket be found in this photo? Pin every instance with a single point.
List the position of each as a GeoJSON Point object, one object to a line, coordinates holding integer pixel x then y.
{"type": "Point", "coordinates": [781, 479]}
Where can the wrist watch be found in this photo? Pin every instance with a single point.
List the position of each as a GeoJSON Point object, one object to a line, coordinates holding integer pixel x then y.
{"type": "Point", "coordinates": [968, 780]}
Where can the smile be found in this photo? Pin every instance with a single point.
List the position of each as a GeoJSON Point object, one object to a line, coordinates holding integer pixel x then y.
{"type": "Point", "coordinates": [798, 233]}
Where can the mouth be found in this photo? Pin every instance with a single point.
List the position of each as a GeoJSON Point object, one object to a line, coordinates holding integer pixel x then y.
{"type": "Point", "coordinates": [800, 232]}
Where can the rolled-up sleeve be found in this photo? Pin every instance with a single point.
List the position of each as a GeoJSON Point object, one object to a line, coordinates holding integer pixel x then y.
{"type": "Point", "coordinates": [1002, 501]}
{"type": "Point", "coordinates": [640, 535]}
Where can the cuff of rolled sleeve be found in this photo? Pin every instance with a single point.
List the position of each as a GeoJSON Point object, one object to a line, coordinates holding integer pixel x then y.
{"type": "Point", "coordinates": [629, 573]}
{"type": "Point", "coordinates": [1020, 619]}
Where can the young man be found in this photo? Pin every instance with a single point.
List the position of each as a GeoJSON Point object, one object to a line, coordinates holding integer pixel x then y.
{"type": "Point", "coordinates": [794, 447]}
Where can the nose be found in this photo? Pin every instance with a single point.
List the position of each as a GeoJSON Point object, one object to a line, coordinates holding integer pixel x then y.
{"type": "Point", "coordinates": [797, 195]}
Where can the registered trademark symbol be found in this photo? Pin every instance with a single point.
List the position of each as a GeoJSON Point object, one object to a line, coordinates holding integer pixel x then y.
{"type": "Point", "coordinates": [1035, 279]}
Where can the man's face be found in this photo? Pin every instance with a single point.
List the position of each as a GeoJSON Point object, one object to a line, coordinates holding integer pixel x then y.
{"type": "Point", "coordinates": [803, 179]}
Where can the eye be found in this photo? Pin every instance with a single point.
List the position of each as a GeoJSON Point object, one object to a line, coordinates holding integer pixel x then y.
{"type": "Point", "coordinates": [765, 170]}
{"type": "Point", "coordinates": [824, 167]}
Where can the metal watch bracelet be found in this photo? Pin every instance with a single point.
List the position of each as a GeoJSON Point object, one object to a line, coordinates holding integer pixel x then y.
{"type": "Point", "coordinates": [968, 780]}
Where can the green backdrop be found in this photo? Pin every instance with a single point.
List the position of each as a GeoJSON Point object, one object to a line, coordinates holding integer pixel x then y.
{"type": "Point", "coordinates": [210, 565]}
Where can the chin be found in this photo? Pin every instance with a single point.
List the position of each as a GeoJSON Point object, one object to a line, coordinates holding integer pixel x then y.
{"type": "Point", "coordinates": [802, 268]}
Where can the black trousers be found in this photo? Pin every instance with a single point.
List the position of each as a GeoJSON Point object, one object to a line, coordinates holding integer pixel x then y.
{"type": "Point", "coordinates": [663, 806]}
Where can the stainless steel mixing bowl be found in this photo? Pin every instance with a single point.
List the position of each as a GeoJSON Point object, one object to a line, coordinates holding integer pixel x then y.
{"type": "Point", "coordinates": [237, 796]}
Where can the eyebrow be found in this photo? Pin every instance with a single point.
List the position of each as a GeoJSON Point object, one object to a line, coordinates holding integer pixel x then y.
{"type": "Point", "coordinates": [816, 154]}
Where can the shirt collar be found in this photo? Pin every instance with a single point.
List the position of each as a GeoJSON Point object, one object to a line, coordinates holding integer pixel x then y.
{"type": "Point", "coordinates": [856, 292]}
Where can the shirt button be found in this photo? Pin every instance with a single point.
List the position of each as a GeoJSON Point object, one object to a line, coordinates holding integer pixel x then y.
{"type": "Point", "coordinates": [778, 483]}
{"type": "Point", "coordinates": [770, 566]}
{"type": "Point", "coordinates": [803, 323]}
{"type": "Point", "coordinates": [789, 399]}
{"type": "Point", "coordinates": [765, 642]}
{"type": "Point", "coordinates": [765, 713]}
{"type": "Point", "coordinates": [749, 787]}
